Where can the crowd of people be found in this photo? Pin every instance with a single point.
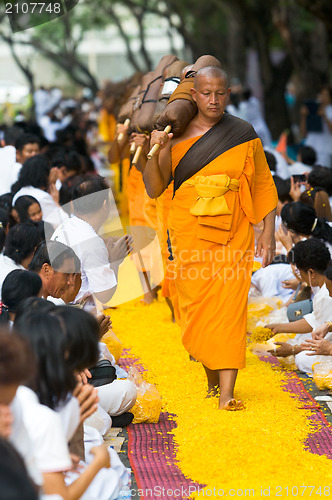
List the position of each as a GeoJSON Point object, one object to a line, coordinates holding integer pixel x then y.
{"type": "Point", "coordinates": [217, 202]}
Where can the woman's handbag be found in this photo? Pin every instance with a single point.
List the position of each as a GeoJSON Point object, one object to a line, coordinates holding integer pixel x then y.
{"type": "Point", "coordinates": [296, 310]}
{"type": "Point", "coordinates": [103, 373]}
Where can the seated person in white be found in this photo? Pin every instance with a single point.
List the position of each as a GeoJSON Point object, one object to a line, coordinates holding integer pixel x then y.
{"type": "Point", "coordinates": [21, 243]}
{"type": "Point", "coordinates": [18, 286]}
{"type": "Point", "coordinates": [68, 164]}
{"type": "Point", "coordinates": [321, 177]}
{"type": "Point", "coordinates": [59, 356]}
{"type": "Point", "coordinates": [37, 179]}
{"type": "Point", "coordinates": [302, 221]}
{"type": "Point", "coordinates": [58, 267]}
{"type": "Point", "coordinates": [117, 397]}
{"type": "Point", "coordinates": [15, 368]}
{"type": "Point", "coordinates": [19, 147]}
{"type": "Point", "coordinates": [269, 281]}
{"type": "Point", "coordinates": [311, 258]}
{"type": "Point", "coordinates": [99, 263]}
{"type": "Point", "coordinates": [28, 209]}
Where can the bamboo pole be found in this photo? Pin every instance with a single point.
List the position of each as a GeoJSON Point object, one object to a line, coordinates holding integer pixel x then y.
{"type": "Point", "coordinates": [121, 135]}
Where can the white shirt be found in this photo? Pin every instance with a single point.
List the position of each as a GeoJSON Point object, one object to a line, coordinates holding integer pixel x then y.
{"type": "Point", "coordinates": [268, 281]}
{"type": "Point", "coordinates": [97, 275]}
{"type": "Point", "coordinates": [46, 433]}
{"type": "Point", "coordinates": [70, 415]}
{"type": "Point", "coordinates": [299, 168]}
{"type": "Point", "coordinates": [322, 308]}
{"type": "Point", "coordinates": [21, 441]}
{"type": "Point", "coordinates": [7, 265]}
{"type": "Point", "coordinates": [9, 168]}
{"type": "Point", "coordinates": [52, 213]}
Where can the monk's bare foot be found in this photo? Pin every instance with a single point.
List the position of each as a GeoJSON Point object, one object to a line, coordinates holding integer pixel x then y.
{"type": "Point", "coordinates": [212, 392]}
{"type": "Point", "coordinates": [149, 297]}
{"type": "Point", "coordinates": [231, 405]}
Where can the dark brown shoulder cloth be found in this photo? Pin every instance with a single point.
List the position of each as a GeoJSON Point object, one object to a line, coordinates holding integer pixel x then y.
{"type": "Point", "coordinates": [229, 132]}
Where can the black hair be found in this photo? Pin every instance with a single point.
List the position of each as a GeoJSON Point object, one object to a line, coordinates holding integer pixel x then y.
{"type": "Point", "coordinates": [89, 186]}
{"type": "Point", "coordinates": [301, 218]}
{"type": "Point", "coordinates": [35, 304]}
{"type": "Point", "coordinates": [66, 190]}
{"type": "Point", "coordinates": [271, 160]}
{"type": "Point", "coordinates": [22, 205]}
{"type": "Point", "coordinates": [54, 254]}
{"type": "Point", "coordinates": [24, 139]}
{"type": "Point", "coordinates": [310, 254]}
{"type": "Point", "coordinates": [328, 273]}
{"type": "Point", "coordinates": [321, 177]}
{"type": "Point", "coordinates": [69, 159]}
{"type": "Point", "coordinates": [15, 483]}
{"type": "Point", "coordinates": [21, 241]}
{"type": "Point", "coordinates": [64, 341]}
{"type": "Point", "coordinates": [18, 286]}
{"type": "Point", "coordinates": [11, 135]}
{"type": "Point", "coordinates": [308, 155]}
{"type": "Point", "coordinates": [34, 172]}
{"type": "Point", "coordinates": [53, 381]}
{"type": "Point", "coordinates": [4, 221]}
{"type": "Point", "coordinates": [283, 188]}
{"type": "Point", "coordinates": [82, 337]}
{"type": "Point", "coordinates": [6, 201]}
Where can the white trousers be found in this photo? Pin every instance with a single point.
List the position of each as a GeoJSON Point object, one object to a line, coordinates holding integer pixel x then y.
{"type": "Point", "coordinates": [118, 397]}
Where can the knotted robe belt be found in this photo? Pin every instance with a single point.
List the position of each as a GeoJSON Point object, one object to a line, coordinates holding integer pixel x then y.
{"type": "Point", "coordinates": [215, 214]}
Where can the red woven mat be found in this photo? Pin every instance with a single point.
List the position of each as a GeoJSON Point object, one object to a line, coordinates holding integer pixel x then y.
{"type": "Point", "coordinates": [152, 456]}
{"type": "Point", "coordinates": [320, 441]}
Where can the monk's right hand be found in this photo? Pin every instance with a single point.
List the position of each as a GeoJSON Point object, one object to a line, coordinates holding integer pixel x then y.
{"type": "Point", "coordinates": [161, 138]}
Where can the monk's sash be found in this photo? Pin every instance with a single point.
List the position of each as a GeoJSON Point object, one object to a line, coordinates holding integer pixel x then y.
{"type": "Point", "coordinates": [229, 132]}
{"type": "Point", "coordinates": [214, 214]}
{"type": "Point", "coordinates": [211, 190]}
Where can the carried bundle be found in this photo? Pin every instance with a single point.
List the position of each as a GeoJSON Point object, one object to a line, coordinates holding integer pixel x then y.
{"type": "Point", "coordinates": [151, 85]}
{"type": "Point", "coordinates": [172, 75]}
{"type": "Point", "coordinates": [146, 79]}
{"type": "Point", "coordinates": [181, 107]}
{"type": "Point", "coordinates": [128, 108]}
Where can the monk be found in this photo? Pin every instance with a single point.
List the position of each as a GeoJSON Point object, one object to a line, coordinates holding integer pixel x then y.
{"type": "Point", "coordinates": [222, 186]}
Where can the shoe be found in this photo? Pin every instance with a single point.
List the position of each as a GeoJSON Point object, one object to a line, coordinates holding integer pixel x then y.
{"type": "Point", "coordinates": [122, 420]}
{"type": "Point", "coordinates": [234, 405]}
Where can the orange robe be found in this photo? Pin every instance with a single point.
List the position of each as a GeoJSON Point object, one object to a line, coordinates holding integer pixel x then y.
{"type": "Point", "coordinates": [135, 193]}
{"type": "Point", "coordinates": [214, 254]}
{"type": "Point", "coordinates": [168, 288]}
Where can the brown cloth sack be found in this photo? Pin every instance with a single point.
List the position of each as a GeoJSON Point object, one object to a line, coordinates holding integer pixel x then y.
{"type": "Point", "coordinates": [147, 78]}
{"type": "Point", "coordinates": [127, 109]}
{"type": "Point", "coordinates": [150, 97]}
{"type": "Point", "coordinates": [171, 79]}
{"type": "Point", "coordinates": [181, 107]}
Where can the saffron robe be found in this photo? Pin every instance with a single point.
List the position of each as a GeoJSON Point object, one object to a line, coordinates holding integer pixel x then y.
{"type": "Point", "coordinates": [214, 253]}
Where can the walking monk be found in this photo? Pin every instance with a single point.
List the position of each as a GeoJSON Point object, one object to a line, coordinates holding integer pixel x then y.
{"type": "Point", "coordinates": [222, 186]}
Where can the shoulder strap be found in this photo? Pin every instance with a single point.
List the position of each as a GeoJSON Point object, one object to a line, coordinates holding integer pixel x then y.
{"type": "Point", "coordinates": [229, 132]}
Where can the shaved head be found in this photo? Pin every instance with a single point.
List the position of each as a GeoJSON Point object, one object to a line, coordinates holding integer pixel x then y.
{"type": "Point", "coordinates": [211, 72]}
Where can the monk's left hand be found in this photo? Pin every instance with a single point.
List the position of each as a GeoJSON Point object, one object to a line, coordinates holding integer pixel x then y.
{"type": "Point", "coordinates": [266, 246]}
